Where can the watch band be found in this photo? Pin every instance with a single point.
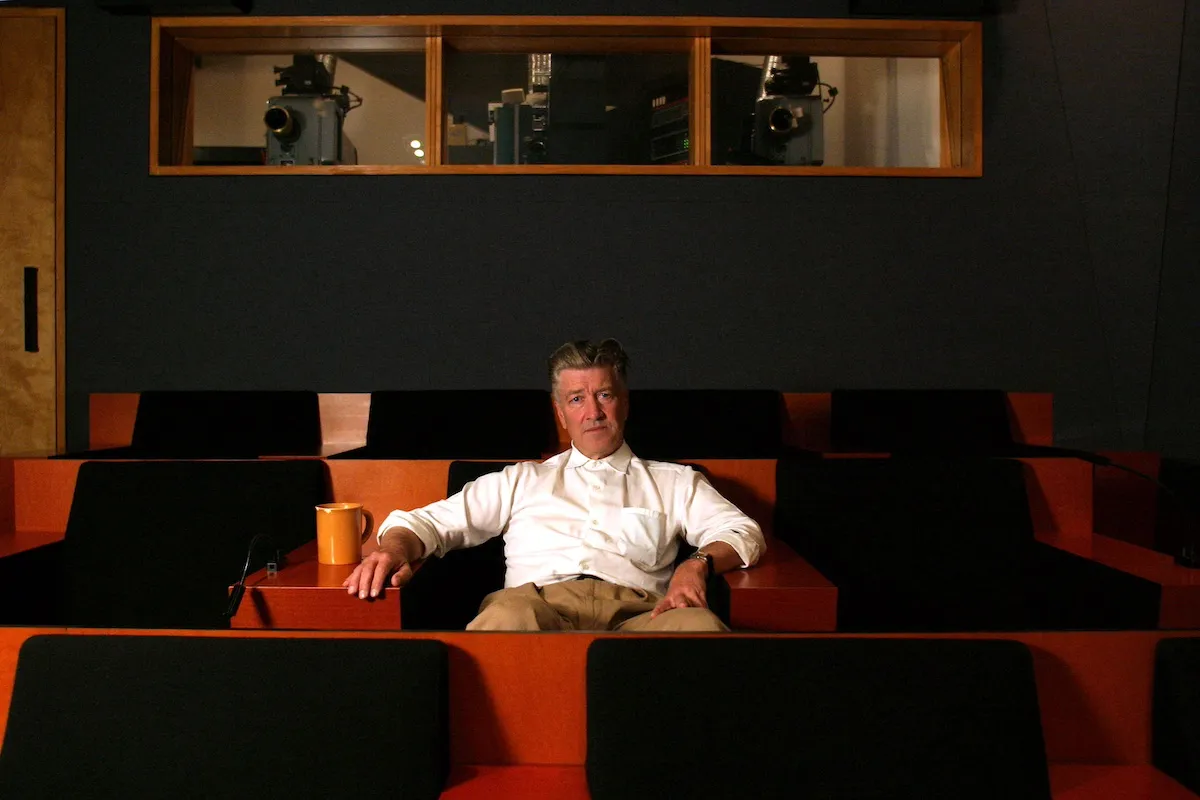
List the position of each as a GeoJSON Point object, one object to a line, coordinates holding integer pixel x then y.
{"type": "Point", "coordinates": [706, 558]}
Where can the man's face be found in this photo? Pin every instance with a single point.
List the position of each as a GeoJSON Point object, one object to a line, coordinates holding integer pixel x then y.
{"type": "Point", "coordinates": [592, 405]}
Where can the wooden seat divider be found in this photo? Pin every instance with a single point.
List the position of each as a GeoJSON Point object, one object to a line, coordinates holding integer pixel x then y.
{"type": "Point", "coordinates": [518, 705]}
{"type": "Point", "coordinates": [35, 501]}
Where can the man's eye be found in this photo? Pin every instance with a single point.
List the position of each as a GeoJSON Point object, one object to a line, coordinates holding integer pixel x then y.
{"type": "Point", "coordinates": [574, 399]}
{"type": "Point", "coordinates": [605, 395]}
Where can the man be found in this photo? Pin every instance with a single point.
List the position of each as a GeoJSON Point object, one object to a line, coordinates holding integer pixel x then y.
{"type": "Point", "coordinates": [592, 534]}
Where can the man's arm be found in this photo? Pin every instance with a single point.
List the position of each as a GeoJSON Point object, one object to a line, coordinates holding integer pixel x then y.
{"type": "Point", "coordinates": [708, 519]}
{"type": "Point", "coordinates": [470, 517]}
{"type": "Point", "coordinates": [398, 549]}
{"type": "Point", "coordinates": [714, 526]}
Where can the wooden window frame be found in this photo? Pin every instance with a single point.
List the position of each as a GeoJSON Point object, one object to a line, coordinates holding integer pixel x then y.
{"type": "Point", "coordinates": [176, 41]}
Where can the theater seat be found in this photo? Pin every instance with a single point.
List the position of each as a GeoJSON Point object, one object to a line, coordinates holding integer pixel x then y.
{"type": "Point", "coordinates": [515, 423]}
{"type": "Point", "coordinates": [221, 424]}
{"type": "Point", "coordinates": [223, 717]}
{"type": "Point", "coordinates": [944, 544]}
{"type": "Point", "coordinates": [1176, 716]}
{"type": "Point", "coordinates": [156, 544]}
{"type": "Point", "coordinates": [792, 718]}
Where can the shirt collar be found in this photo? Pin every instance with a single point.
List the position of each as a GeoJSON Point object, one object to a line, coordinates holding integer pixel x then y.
{"type": "Point", "coordinates": [618, 460]}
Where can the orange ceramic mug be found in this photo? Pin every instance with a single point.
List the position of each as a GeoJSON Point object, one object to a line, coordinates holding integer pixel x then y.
{"type": "Point", "coordinates": [341, 530]}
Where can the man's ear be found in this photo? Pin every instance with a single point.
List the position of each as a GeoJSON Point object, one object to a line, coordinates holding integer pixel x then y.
{"type": "Point", "coordinates": [562, 421]}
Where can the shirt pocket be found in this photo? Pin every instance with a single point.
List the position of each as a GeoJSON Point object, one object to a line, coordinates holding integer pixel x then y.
{"type": "Point", "coordinates": [644, 532]}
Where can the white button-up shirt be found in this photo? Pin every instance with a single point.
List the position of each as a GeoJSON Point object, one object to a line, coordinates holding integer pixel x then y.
{"type": "Point", "coordinates": [619, 518]}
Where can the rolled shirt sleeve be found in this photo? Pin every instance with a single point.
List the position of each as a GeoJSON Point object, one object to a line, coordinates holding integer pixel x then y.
{"type": "Point", "coordinates": [708, 517]}
{"type": "Point", "coordinates": [479, 512]}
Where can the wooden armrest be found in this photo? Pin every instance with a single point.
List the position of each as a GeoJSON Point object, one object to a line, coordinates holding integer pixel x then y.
{"type": "Point", "coordinates": [782, 592]}
{"type": "Point", "coordinates": [1180, 605]}
{"type": "Point", "coordinates": [306, 595]}
{"type": "Point", "coordinates": [563, 782]}
{"type": "Point", "coordinates": [1114, 782]}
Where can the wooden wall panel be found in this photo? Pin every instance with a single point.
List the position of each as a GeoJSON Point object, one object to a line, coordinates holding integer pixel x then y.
{"type": "Point", "coordinates": [1031, 417]}
{"type": "Point", "coordinates": [1126, 506]}
{"type": "Point", "coordinates": [383, 486]}
{"type": "Point", "coordinates": [748, 483]}
{"type": "Point", "coordinates": [8, 517]}
{"type": "Point", "coordinates": [42, 492]}
{"type": "Point", "coordinates": [807, 421]}
{"type": "Point", "coordinates": [111, 418]}
{"type": "Point", "coordinates": [344, 419]}
{"type": "Point", "coordinates": [30, 221]}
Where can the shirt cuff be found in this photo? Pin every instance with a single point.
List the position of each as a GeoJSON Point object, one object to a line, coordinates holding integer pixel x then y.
{"type": "Point", "coordinates": [402, 519]}
{"type": "Point", "coordinates": [747, 549]}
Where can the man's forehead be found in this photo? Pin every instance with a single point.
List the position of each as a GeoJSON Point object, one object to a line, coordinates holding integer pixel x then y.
{"type": "Point", "coordinates": [595, 377]}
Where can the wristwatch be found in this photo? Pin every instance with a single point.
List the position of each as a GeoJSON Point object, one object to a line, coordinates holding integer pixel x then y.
{"type": "Point", "coordinates": [706, 558]}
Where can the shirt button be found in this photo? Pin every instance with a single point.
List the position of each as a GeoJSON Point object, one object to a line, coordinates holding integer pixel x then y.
{"type": "Point", "coordinates": [595, 522]}
{"type": "Point", "coordinates": [584, 565]}
{"type": "Point", "coordinates": [595, 488]}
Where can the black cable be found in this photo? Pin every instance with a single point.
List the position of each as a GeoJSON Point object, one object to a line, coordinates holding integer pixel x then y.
{"type": "Point", "coordinates": [239, 588]}
{"type": "Point", "coordinates": [833, 93]}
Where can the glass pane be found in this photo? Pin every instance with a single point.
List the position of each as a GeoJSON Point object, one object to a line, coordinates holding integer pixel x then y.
{"type": "Point", "coordinates": [831, 111]}
{"type": "Point", "coordinates": [549, 108]}
{"type": "Point", "coordinates": [243, 117]}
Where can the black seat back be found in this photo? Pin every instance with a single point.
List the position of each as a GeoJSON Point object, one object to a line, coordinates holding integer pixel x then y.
{"type": "Point", "coordinates": [916, 421]}
{"type": "Point", "coordinates": [156, 544]}
{"type": "Point", "coordinates": [1176, 716]}
{"type": "Point", "coordinates": [226, 424]}
{"type": "Point", "coordinates": [445, 593]}
{"type": "Point", "coordinates": [670, 424]}
{"type": "Point", "coordinates": [912, 543]}
{"type": "Point", "coordinates": [514, 423]}
{"type": "Point", "coordinates": [857, 516]}
{"type": "Point", "coordinates": [1177, 517]}
{"type": "Point", "coordinates": [173, 716]}
{"type": "Point", "coordinates": [769, 718]}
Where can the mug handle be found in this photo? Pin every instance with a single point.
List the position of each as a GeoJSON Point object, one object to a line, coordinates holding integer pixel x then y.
{"type": "Point", "coordinates": [369, 525]}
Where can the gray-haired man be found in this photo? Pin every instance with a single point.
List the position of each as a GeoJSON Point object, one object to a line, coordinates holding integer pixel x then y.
{"type": "Point", "coordinates": [591, 534]}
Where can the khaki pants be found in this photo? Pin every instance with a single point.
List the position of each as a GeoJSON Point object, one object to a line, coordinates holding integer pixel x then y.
{"type": "Point", "coordinates": [585, 605]}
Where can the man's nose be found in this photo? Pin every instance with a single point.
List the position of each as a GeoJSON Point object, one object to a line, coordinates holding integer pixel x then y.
{"type": "Point", "coordinates": [594, 409]}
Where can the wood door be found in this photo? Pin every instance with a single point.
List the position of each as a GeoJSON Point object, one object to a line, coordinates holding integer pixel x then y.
{"type": "Point", "coordinates": [31, 119]}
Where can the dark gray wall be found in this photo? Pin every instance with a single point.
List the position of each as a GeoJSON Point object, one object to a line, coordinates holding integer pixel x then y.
{"type": "Point", "coordinates": [1041, 276]}
{"type": "Point", "coordinates": [1173, 424]}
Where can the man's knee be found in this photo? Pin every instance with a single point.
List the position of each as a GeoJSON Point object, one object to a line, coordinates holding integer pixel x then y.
{"type": "Point", "coordinates": [511, 610]}
{"type": "Point", "coordinates": [692, 620]}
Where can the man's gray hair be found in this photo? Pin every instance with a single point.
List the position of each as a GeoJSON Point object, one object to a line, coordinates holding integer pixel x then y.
{"type": "Point", "coordinates": [584, 354]}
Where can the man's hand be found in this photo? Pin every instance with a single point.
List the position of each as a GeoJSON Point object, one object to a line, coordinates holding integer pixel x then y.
{"type": "Point", "coordinates": [686, 589]}
{"type": "Point", "coordinates": [393, 559]}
